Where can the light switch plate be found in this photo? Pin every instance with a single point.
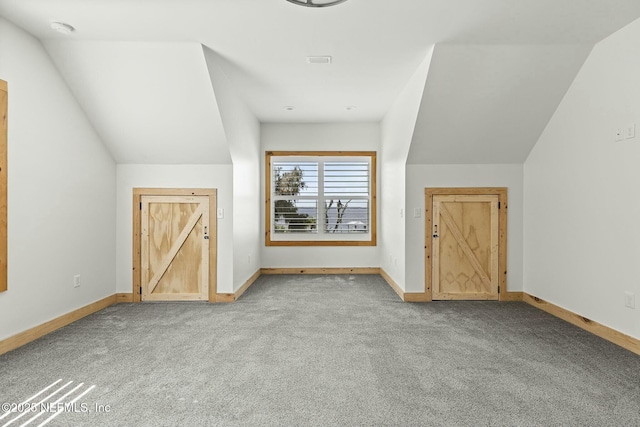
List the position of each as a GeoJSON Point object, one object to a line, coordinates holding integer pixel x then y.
{"type": "Point", "coordinates": [630, 131]}
{"type": "Point", "coordinates": [630, 300]}
{"type": "Point", "coordinates": [220, 213]}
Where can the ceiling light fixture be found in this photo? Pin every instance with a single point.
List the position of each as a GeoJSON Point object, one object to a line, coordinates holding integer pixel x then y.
{"type": "Point", "coordinates": [62, 27]}
{"type": "Point", "coordinates": [316, 3]}
{"type": "Point", "coordinates": [289, 108]}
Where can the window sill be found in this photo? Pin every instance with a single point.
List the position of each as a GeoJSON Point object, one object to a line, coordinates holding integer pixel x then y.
{"type": "Point", "coordinates": [321, 242]}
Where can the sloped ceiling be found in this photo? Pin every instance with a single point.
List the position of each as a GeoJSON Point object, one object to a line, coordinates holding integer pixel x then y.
{"type": "Point", "coordinates": [151, 103]}
{"type": "Point", "coordinates": [490, 103]}
{"type": "Point", "coordinates": [498, 70]}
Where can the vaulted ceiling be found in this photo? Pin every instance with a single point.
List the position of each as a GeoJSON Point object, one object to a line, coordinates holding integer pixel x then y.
{"type": "Point", "coordinates": [497, 73]}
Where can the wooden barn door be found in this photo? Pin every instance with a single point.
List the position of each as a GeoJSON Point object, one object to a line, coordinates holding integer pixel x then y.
{"type": "Point", "coordinates": [176, 242]}
{"type": "Point", "coordinates": [465, 246]}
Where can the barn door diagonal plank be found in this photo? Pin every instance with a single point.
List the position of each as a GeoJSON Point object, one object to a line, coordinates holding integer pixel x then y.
{"type": "Point", "coordinates": [174, 244]}
{"type": "Point", "coordinates": [464, 245]}
{"type": "Point", "coordinates": [173, 251]}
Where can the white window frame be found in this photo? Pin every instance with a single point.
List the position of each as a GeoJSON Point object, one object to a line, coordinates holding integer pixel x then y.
{"type": "Point", "coordinates": [319, 238]}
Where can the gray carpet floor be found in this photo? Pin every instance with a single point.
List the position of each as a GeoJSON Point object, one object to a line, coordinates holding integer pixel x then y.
{"type": "Point", "coordinates": [330, 350]}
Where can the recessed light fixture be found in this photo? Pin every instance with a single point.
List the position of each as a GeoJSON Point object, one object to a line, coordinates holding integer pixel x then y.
{"type": "Point", "coordinates": [62, 27]}
{"type": "Point", "coordinates": [316, 3]}
{"type": "Point", "coordinates": [318, 60]}
{"type": "Point", "coordinates": [289, 108]}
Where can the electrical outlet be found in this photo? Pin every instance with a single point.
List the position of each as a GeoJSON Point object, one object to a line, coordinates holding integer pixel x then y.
{"type": "Point", "coordinates": [76, 281]}
{"type": "Point", "coordinates": [630, 300]}
{"type": "Point", "coordinates": [619, 135]}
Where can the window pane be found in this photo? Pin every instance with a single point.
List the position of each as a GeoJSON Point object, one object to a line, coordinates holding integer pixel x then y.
{"type": "Point", "coordinates": [295, 216]}
{"type": "Point", "coordinates": [295, 178]}
{"type": "Point", "coordinates": [318, 198]}
{"type": "Point", "coordinates": [346, 216]}
{"type": "Point", "coordinates": [346, 179]}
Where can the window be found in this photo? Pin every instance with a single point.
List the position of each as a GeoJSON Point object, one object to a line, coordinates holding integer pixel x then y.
{"type": "Point", "coordinates": [321, 198]}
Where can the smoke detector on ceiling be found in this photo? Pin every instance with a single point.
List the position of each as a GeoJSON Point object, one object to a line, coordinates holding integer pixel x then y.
{"type": "Point", "coordinates": [316, 3]}
{"type": "Point", "coordinates": [62, 27]}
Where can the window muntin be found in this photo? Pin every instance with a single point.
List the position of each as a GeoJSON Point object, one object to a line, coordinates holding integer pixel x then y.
{"type": "Point", "coordinates": [321, 199]}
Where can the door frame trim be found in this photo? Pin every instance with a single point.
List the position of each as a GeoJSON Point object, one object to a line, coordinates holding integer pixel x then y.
{"type": "Point", "coordinates": [4, 114]}
{"type": "Point", "coordinates": [137, 233]}
{"type": "Point", "coordinates": [503, 208]}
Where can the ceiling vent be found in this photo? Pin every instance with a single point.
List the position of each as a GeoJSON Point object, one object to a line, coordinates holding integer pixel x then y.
{"type": "Point", "coordinates": [318, 60]}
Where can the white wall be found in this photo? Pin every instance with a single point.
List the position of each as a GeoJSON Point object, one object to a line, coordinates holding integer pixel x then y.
{"type": "Point", "coordinates": [397, 130]}
{"type": "Point", "coordinates": [242, 131]}
{"type": "Point", "coordinates": [582, 209]}
{"type": "Point", "coordinates": [247, 239]}
{"type": "Point", "coordinates": [61, 193]}
{"type": "Point", "coordinates": [420, 177]}
{"type": "Point", "coordinates": [319, 137]}
{"type": "Point", "coordinates": [392, 220]}
{"type": "Point", "coordinates": [173, 176]}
